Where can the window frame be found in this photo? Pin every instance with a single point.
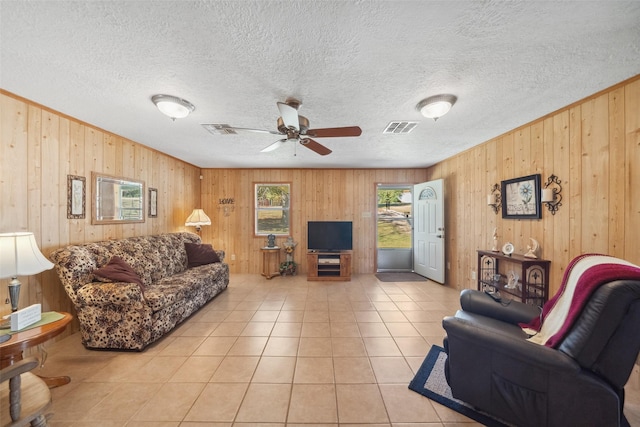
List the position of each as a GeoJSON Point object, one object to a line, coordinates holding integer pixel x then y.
{"type": "Point", "coordinates": [257, 208]}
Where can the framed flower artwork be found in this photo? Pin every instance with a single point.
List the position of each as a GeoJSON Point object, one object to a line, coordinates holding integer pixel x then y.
{"type": "Point", "coordinates": [521, 198]}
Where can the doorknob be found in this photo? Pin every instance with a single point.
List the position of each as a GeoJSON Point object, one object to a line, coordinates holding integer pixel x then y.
{"type": "Point", "coordinates": [439, 236]}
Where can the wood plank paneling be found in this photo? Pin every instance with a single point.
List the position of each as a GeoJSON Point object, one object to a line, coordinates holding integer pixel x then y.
{"type": "Point", "coordinates": [595, 174]}
{"type": "Point", "coordinates": [593, 146]}
{"type": "Point", "coordinates": [38, 149]}
{"type": "Point", "coordinates": [617, 188]}
{"type": "Point", "coordinates": [317, 194]}
{"type": "Point", "coordinates": [50, 213]}
{"type": "Point", "coordinates": [632, 170]}
{"type": "Point", "coordinates": [574, 190]}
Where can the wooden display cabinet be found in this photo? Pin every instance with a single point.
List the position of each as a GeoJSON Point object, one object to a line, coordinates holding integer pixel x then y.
{"type": "Point", "coordinates": [532, 286]}
{"type": "Point", "coordinates": [329, 266]}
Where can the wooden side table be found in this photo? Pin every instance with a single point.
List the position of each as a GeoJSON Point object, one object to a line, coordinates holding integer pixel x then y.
{"type": "Point", "coordinates": [11, 350]}
{"type": "Point", "coordinates": [269, 255]}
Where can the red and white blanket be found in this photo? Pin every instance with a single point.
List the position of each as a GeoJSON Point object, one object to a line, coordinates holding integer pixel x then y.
{"type": "Point", "coordinates": [583, 277]}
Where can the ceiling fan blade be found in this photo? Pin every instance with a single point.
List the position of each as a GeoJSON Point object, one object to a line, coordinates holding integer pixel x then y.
{"type": "Point", "coordinates": [314, 146]}
{"type": "Point", "coordinates": [225, 129]}
{"type": "Point", "coordinates": [335, 132]}
{"type": "Point", "coordinates": [273, 146]}
{"type": "Point", "coordinates": [289, 115]}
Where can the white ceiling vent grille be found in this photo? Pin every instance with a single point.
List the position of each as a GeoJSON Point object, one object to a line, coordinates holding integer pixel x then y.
{"type": "Point", "coordinates": [219, 129]}
{"type": "Point", "coordinates": [400, 127]}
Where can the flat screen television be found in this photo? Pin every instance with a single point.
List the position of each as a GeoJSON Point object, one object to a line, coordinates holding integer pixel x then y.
{"type": "Point", "coordinates": [331, 236]}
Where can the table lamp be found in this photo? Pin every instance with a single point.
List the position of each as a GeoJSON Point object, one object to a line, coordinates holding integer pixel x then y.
{"type": "Point", "coordinates": [20, 256]}
{"type": "Point", "coordinates": [197, 219]}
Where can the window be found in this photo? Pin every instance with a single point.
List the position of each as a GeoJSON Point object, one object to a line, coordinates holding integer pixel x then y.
{"type": "Point", "coordinates": [272, 205]}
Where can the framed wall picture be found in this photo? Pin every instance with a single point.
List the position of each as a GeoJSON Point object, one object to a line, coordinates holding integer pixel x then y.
{"type": "Point", "coordinates": [76, 196]}
{"type": "Point", "coordinates": [521, 198]}
{"type": "Point", "coordinates": [153, 202]}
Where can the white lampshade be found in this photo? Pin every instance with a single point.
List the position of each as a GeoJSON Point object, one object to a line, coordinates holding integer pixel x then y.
{"type": "Point", "coordinates": [197, 219]}
{"type": "Point", "coordinates": [20, 256]}
{"type": "Point", "coordinates": [437, 106]}
{"type": "Point", "coordinates": [172, 106]}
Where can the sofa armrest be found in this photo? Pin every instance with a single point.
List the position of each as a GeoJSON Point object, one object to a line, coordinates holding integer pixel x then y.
{"type": "Point", "coordinates": [109, 293]}
{"type": "Point", "coordinates": [220, 254]}
{"type": "Point", "coordinates": [509, 311]}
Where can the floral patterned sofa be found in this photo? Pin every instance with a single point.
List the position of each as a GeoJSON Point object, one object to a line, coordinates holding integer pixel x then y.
{"type": "Point", "coordinates": [130, 316]}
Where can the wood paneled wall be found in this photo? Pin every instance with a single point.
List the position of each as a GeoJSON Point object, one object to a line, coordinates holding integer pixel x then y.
{"type": "Point", "coordinates": [593, 146]}
{"type": "Point", "coordinates": [316, 194]}
{"type": "Point", "coordinates": [38, 149]}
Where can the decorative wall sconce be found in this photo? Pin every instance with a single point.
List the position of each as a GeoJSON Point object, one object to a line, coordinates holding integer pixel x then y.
{"type": "Point", "coordinates": [551, 194]}
{"type": "Point", "coordinates": [226, 206]}
{"type": "Point", "coordinates": [495, 198]}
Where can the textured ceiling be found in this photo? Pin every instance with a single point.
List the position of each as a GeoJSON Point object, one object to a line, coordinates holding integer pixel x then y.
{"type": "Point", "coordinates": [363, 63]}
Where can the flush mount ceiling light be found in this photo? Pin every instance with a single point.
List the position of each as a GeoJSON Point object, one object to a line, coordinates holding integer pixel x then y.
{"type": "Point", "coordinates": [436, 106]}
{"type": "Point", "coordinates": [172, 106]}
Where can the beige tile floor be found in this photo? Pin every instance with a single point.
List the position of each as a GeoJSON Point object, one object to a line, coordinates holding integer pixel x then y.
{"type": "Point", "coordinates": [272, 353]}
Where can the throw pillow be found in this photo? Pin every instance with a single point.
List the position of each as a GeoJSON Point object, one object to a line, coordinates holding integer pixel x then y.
{"type": "Point", "coordinates": [117, 270]}
{"type": "Point", "coordinates": [200, 254]}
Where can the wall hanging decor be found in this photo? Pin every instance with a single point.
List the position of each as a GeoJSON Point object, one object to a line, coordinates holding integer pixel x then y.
{"type": "Point", "coordinates": [226, 205]}
{"type": "Point", "coordinates": [76, 196]}
{"type": "Point", "coordinates": [552, 194]}
{"type": "Point", "coordinates": [521, 197]}
{"type": "Point", "coordinates": [153, 202]}
{"type": "Point", "coordinates": [116, 200]}
{"type": "Point", "coordinates": [494, 199]}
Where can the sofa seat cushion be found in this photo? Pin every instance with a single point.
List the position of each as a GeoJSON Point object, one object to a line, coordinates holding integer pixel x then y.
{"type": "Point", "coordinates": [185, 286]}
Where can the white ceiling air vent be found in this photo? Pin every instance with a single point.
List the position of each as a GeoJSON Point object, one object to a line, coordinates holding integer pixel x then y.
{"type": "Point", "coordinates": [219, 129]}
{"type": "Point", "coordinates": [400, 127]}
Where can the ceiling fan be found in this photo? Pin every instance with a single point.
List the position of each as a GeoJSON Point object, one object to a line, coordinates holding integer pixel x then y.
{"type": "Point", "coordinates": [293, 127]}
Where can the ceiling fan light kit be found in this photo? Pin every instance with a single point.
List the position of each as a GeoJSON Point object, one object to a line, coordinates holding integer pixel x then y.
{"type": "Point", "coordinates": [172, 106]}
{"type": "Point", "coordinates": [292, 127]}
{"type": "Point", "coordinates": [436, 106]}
{"type": "Point", "coordinates": [303, 125]}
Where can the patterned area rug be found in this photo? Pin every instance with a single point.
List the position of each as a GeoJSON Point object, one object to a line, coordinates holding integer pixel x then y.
{"type": "Point", "coordinates": [431, 382]}
{"type": "Point", "coordinates": [400, 277]}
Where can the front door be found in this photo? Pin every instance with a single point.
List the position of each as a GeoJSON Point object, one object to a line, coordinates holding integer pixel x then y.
{"type": "Point", "coordinates": [428, 230]}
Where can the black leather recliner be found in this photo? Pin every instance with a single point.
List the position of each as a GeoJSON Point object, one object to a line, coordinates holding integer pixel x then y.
{"type": "Point", "coordinates": [580, 382]}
